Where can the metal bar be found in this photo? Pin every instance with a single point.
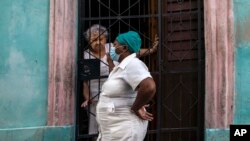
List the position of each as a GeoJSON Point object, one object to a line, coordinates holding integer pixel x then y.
{"type": "Point", "coordinates": [86, 136]}
{"type": "Point", "coordinates": [129, 12]}
{"type": "Point", "coordinates": [200, 94]}
{"type": "Point", "coordinates": [139, 11]}
{"type": "Point", "coordinates": [77, 83]}
{"type": "Point", "coordinates": [190, 44]}
{"type": "Point", "coordinates": [177, 13]}
{"type": "Point", "coordinates": [180, 76]}
{"type": "Point", "coordinates": [118, 17]}
{"type": "Point", "coordinates": [134, 16]}
{"type": "Point", "coordinates": [158, 127]}
{"type": "Point", "coordinates": [89, 8]}
{"type": "Point", "coordinates": [109, 28]}
{"type": "Point", "coordinates": [165, 130]}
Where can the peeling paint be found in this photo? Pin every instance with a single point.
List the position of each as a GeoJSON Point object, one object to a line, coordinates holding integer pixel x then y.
{"type": "Point", "coordinates": [23, 63]}
{"type": "Point", "coordinates": [242, 21]}
{"type": "Point", "coordinates": [217, 135]}
{"type": "Point", "coordinates": [40, 133]}
{"type": "Point", "coordinates": [242, 59]}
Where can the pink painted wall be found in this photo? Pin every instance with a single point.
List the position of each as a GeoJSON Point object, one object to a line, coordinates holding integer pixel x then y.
{"type": "Point", "coordinates": [62, 54]}
{"type": "Point", "coordinates": [219, 49]}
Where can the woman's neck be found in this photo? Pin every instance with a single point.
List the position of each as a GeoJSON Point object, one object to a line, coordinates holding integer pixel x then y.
{"type": "Point", "coordinates": [123, 56]}
{"type": "Point", "coordinates": [99, 53]}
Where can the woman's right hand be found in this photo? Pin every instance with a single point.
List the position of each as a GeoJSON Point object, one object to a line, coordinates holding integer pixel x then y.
{"type": "Point", "coordinates": [144, 114]}
{"type": "Point", "coordinates": [85, 104]}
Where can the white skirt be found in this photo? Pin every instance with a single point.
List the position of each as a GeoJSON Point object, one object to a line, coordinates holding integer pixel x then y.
{"type": "Point", "coordinates": [119, 124]}
{"type": "Point", "coordinates": [93, 126]}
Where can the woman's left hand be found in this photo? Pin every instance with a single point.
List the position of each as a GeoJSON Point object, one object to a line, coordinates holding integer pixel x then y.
{"type": "Point", "coordinates": [143, 114]}
{"type": "Point", "coordinates": [109, 59]}
{"type": "Point", "coordinates": [110, 62]}
{"type": "Point", "coordinates": [155, 44]}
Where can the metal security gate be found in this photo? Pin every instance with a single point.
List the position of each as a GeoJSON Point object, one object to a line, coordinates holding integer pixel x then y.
{"type": "Point", "coordinates": [177, 67]}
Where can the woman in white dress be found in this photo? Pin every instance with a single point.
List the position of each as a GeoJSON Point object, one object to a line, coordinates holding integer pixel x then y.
{"type": "Point", "coordinates": [97, 36]}
{"type": "Point", "coordinates": [121, 112]}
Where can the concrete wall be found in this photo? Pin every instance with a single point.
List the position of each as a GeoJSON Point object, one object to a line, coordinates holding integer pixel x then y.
{"type": "Point", "coordinates": [23, 63]}
{"type": "Point", "coordinates": [242, 60]}
{"type": "Point", "coordinates": [241, 106]}
{"type": "Point", "coordinates": [24, 27]}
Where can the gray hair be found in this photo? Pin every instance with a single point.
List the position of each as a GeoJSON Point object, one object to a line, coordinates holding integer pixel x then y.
{"type": "Point", "coordinates": [96, 28]}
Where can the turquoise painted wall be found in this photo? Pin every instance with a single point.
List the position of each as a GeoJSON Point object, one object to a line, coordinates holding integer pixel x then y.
{"type": "Point", "coordinates": [41, 133]}
{"type": "Point", "coordinates": [24, 30]}
{"type": "Point", "coordinates": [242, 61]}
{"type": "Point", "coordinates": [242, 71]}
{"type": "Point", "coordinates": [23, 63]}
{"type": "Point", "coordinates": [217, 135]}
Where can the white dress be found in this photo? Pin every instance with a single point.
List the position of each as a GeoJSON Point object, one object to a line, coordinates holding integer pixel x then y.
{"type": "Point", "coordinates": [115, 119]}
{"type": "Point", "coordinates": [95, 87]}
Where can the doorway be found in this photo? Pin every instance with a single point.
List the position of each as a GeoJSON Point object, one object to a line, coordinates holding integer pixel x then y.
{"type": "Point", "coordinates": [178, 67]}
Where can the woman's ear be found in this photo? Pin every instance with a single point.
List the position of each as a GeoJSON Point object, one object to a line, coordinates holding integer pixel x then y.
{"type": "Point", "coordinates": [125, 47]}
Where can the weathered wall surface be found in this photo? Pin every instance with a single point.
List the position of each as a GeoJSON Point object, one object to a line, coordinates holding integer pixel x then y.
{"type": "Point", "coordinates": [242, 59]}
{"type": "Point", "coordinates": [24, 63]}
{"type": "Point", "coordinates": [24, 37]}
{"type": "Point", "coordinates": [241, 106]}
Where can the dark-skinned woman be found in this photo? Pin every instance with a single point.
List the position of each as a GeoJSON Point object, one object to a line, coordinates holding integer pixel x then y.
{"type": "Point", "coordinates": [121, 112]}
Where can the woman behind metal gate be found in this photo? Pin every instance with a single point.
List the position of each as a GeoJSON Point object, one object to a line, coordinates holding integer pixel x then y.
{"type": "Point", "coordinates": [121, 112]}
{"type": "Point", "coordinates": [97, 36]}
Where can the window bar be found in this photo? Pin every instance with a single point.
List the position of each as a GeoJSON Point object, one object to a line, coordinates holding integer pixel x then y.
{"type": "Point", "coordinates": [99, 38]}
{"type": "Point", "coordinates": [190, 46]}
{"type": "Point", "coordinates": [119, 16]}
{"type": "Point", "coordinates": [200, 97]}
{"type": "Point", "coordinates": [89, 45]}
{"type": "Point", "coordinates": [129, 3]}
{"type": "Point", "coordinates": [139, 20]}
{"type": "Point", "coordinates": [78, 84]}
{"type": "Point", "coordinates": [109, 30]}
{"type": "Point", "coordinates": [158, 127]}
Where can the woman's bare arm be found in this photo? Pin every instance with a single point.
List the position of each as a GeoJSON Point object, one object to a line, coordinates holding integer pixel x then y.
{"type": "Point", "coordinates": [146, 91]}
{"type": "Point", "coordinates": [86, 94]}
{"type": "Point", "coordinates": [110, 62]}
{"type": "Point", "coordinates": [145, 52]}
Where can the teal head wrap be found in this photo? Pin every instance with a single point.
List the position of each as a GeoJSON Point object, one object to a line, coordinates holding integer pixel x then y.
{"type": "Point", "coordinates": [131, 39]}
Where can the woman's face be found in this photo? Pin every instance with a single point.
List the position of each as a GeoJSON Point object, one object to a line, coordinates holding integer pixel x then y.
{"type": "Point", "coordinates": [97, 41]}
{"type": "Point", "coordinates": [118, 47]}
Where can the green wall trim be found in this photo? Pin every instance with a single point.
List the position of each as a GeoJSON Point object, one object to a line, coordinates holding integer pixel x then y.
{"type": "Point", "coordinates": [242, 61]}
{"type": "Point", "coordinates": [41, 133]}
{"type": "Point", "coordinates": [242, 97]}
{"type": "Point", "coordinates": [24, 28]}
{"type": "Point", "coordinates": [217, 135]}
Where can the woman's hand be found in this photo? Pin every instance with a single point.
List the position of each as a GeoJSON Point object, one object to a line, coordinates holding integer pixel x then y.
{"type": "Point", "coordinates": [109, 59]}
{"type": "Point", "coordinates": [155, 44]}
{"type": "Point", "coordinates": [85, 103]}
{"type": "Point", "coordinates": [110, 62]}
{"type": "Point", "coordinates": [143, 114]}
